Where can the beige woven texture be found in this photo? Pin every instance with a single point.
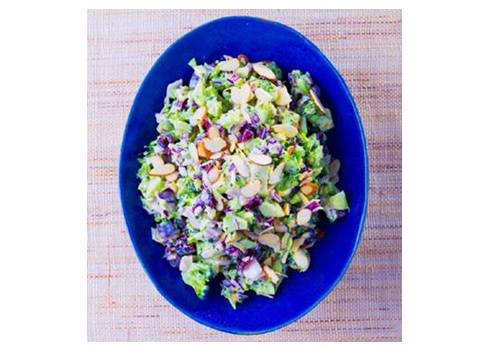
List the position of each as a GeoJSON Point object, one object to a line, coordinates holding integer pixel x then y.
{"type": "Point", "coordinates": [122, 303]}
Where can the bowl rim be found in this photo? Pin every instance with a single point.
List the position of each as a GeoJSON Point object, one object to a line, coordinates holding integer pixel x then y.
{"type": "Point", "coordinates": [360, 230]}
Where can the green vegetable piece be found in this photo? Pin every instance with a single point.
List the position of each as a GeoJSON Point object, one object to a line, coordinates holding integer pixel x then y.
{"type": "Point", "coordinates": [269, 209]}
{"type": "Point", "coordinates": [338, 201]}
{"type": "Point", "coordinates": [198, 276]}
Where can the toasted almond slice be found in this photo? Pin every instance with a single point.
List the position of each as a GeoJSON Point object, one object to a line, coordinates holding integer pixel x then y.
{"type": "Point", "coordinates": [309, 188]}
{"type": "Point", "coordinates": [198, 115]}
{"type": "Point", "coordinates": [334, 167]}
{"type": "Point", "coordinates": [291, 149]}
{"type": "Point", "coordinates": [269, 229]}
{"type": "Point", "coordinates": [279, 226]}
{"type": "Point", "coordinates": [264, 71]}
{"type": "Point", "coordinates": [270, 240]}
{"type": "Point", "coordinates": [213, 175]}
{"type": "Point", "coordinates": [273, 277]}
{"type": "Point", "coordinates": [213, 132]}
{"type": "Point", "coordinates": [216, 156]}
{"type": "Point", "coordinates": [193, 153]}
{"type": "Point", "coordinates": [316, 100]}
{"type": "Point", "coordinates": [241, 95]}
{"type": "Point", "coordinates": [243, 58]}
{"type": "Point", "coordinates": [286, 209]}
{"type": "Point", "coordinates": [283, 97]}
{"type": "Point", "coordinates": [202, 150]}
{"type": "Point", "coordinates": [172, 177]}
{"type": "Point", "coordinates": [262, 96]}
{"type": "Point", "coordinates": [156, 161]}
{"type": "Point", "coordinates": [251, 189]}
{"type": "Point", "coordinates": [277, 173]}
{"type": "Point", "coordinates": [215, 145]}
{"type": "Point", "coordinates": [304, 176]}
{"type": "Point", "coordinates": [303, 216]}
{"type": "Point", "coordinates": [163, 170]}
{"type": "Point", "coordinates": [284, 240]}
{"type": "Point", "coordinates": [241, 166]}
{"type": "Point", "coordinates": [185, 263]}
{"type": "Point", "coordinates": [285, 129]}
{"type": "Point", "coordinates": [229, 65]}
{"type": "Point", "coordinates": [260, 159]}
{"type": "Point", "coordinates": [219, 200]}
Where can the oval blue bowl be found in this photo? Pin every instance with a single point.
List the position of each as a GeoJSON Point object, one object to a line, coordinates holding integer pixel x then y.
{"type": "Point", "coordinates": [300, 292]}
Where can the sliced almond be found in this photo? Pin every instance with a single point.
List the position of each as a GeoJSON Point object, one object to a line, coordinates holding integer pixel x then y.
{"type": "Point", "coordinates": [303, 216]}
{"type": "Point", "coordinates": [185, 263]}
{"type": "Point", "coordinates": [229, 65]}
{"type": "Point", "coordinates": [202, 150]}
{"type": "Point", "coordinates": [304, 176]}
{"type": "Point", "coordinates": [241, 166]}
{"type": "Point", "coordinates": [279, 226]}
{"type": "Point", "coordinates": [193, 153]}
{"type": "Point", "coordinates": [277, 173]}
{"type": "Point", "coordinates": [241, 95]}
{"type": "Point", "coordinates": [287, 130]}
{"type": "Point", "coordinates": [271, 240]}
{"type": "Point", "coordinates": [291, 149]}
{"type": "Point", "coordinates": [309, 189]}
{"type": "Point", "coordinates": [163, 170]}
{"type": "Point", "coordinates": [273, 277]}
{"type": "Point", "coordinates": [172, 177]}
{"type": "Point", "coordinates": [213, 132]}
{"type": "Point", "coordinates": [219, 200]}
{"type": "Point", "coordinates": [316, 100]}
{"type": "Point", "coordinates": [198, 116]}
{"type": "Point", "coordinates": [262, 96]}
{"type": "Point", "coordinates": [156, 161]}
{"type": "Point", "coordinates": [215, 145]}
{"type": "Point", "coordinates": [264, 71]}
{"type": "Point", "coordinates": [334, 167]}
{"type": "Point", "coordinates": [214, 174]}
{"type": "Point", "coordinates": [283, 97]}
{"type": "Point", "coordinates": [260, 159]}
{"type": "Point", "coordinates": [216, 156]}
{"type": "Point", "coordinates": [251, 189]}
{"type": "Point", "coordinates": [286, 209]}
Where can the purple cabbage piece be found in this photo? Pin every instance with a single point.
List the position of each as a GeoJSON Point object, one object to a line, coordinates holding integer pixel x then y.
{"type": "Point", "coordinates": [232, 290]}
{"type": "Point", "coordinates": [309, 80]}
{"type": "Point", "coordinates": [231, 167]}
{"type": "Point", "coordinates": [184, 136]}
{"type": "Point", "coordinates": [167, 230]}
{"type": "Point", "coordinates": [234, 77]}
{"type": "Point", "coordinates": [217, 81]}
{"type": "Point", "coordinates": [213, 232]}
{"type": "Point", "coordinates": [206, 124]}
{"type": "Point", "coordinates": [276, 196]}
{"type": "Point", "coordinates": [255, 118]}
{"type": "Point", "coordinates": [291, 79]}
{"type": "Point", "coordinates": [262, 132]}
{"type": "Point", "coordinates": [274, 147]}
{"type": "Point", "coordinates": [182, 247]}
{"type": "Point", "coordinates": [180, 104]}
{"type": "Point", "coordinates": [233, 252]}
{"type": "Point", "coordinates": [313, 204]}
{"type": "Point", "coordinates": [253, 202]}
{"type": "Point", "coordinates": [167, 195]}
{"type": "Point", "coordinates": [172, 256]}
{"type": "Point", "coordinates": [180, 223]}
{"type": "Point", "coordinates": [246, 135]}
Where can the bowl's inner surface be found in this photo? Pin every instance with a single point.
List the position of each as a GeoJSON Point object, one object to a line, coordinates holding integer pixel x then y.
{"type": "Point", "coordinates": [259, 40]}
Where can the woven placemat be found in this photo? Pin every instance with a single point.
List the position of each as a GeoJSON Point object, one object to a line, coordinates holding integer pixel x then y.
{"type": "Point", "coordinates": [365, 45]}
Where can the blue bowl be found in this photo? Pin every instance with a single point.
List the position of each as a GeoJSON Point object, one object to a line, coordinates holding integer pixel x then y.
{"type": "Point", "coordinates": [300, 292]}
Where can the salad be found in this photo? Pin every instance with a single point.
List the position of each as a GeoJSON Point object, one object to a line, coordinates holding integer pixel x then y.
{"type": "Point", "coordinates": [240, 175]}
